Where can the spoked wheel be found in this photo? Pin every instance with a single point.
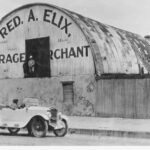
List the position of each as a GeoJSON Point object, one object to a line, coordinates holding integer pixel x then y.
{"type": "Point", "coordinates": [63, 131]}
{"type": "Point", "coordinates": [39, 127]}
{"type": "Point", "coordinates": [13, 130]}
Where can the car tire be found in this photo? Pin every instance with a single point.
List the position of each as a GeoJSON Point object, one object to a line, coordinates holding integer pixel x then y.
{"type": "Point", "coordinates": [62, 132]}
{"type": "Point", "coordinates": [39, 127]}
{"type": "Point", "coordinates": [13, 131]}
{"type": "Point", "coordinates": [29, 131]}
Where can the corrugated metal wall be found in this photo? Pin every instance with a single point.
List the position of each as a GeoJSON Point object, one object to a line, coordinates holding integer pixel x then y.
{"type": "Point", "coordinates": [127, 98]}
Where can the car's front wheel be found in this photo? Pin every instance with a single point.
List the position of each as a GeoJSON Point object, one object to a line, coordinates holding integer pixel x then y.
{"type": "Point", "coordinates": [39, 127]}
{"type": "Point", "coordinates": [13, 130]}
{"type": "Point", "coordinates": [63, 131]}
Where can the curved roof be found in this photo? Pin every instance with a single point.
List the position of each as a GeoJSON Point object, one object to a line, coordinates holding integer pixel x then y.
{"type": "Point", "coordinates": [114, 51]}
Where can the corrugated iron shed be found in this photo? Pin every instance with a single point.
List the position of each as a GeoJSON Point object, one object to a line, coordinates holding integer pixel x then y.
{"type": "Point", "coordinates": [114, 51]}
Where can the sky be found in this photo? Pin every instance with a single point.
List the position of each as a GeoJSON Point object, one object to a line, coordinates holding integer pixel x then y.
{"type": "Point", "coordinates": [130, 15]}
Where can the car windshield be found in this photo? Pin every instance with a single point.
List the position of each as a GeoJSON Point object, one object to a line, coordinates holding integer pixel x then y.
{"type": "Point", "coordinates": [31, 102]}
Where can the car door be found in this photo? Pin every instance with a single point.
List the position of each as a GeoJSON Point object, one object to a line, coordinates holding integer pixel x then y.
{"type": "Point", "coordinates": [13, 118]}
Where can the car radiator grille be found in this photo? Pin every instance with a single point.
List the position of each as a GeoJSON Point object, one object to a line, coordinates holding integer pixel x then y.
{"type": "Point", "coordinates": [54, 114]}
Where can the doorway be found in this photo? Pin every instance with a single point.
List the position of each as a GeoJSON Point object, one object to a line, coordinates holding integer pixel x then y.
{"type": "Point", "coordinates": [37, 50]}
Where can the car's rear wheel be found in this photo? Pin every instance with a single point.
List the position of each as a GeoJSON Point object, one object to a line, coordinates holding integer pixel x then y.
{"type": "Point", "coordinates": [63, 131]}
{"type": "Point", "coordinates": [39, 127]}
{"type": "Point", "coordinates": [13, 130]}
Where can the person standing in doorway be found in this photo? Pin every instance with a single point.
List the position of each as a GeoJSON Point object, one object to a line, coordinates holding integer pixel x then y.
{"type": "Point", "coordinates": [30, 67]}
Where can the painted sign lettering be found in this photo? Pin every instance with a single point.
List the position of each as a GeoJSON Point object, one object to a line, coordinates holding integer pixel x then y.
{"type": "Point", "coordinates": [10, 26]}
{"type": "Point", "coordinates": [62, 22]}
{"type": "Point", "coordinates": [71, 52]}
{"type": "Point", "coordinates": [49, 16]}
{"type": "Point", "coordinates": [63, 53]}
{"type": "Point", "coordinates": [14, 58]}
{"type": "Point", "coordinates": [31, 16]}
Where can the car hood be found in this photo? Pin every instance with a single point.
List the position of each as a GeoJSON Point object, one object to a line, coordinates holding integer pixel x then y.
{"type": "Point", "coordinates": [40, 108]}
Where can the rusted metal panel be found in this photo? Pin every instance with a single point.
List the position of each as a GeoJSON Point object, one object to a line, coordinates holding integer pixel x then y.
{"type": "Point", "coordinates": [121, 52]}
{"type": "Point", "coordinates": [120, 55]}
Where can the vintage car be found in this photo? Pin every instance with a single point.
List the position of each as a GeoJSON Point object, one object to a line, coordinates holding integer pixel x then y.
{"type": "Point", "coordinates": [36, 119]}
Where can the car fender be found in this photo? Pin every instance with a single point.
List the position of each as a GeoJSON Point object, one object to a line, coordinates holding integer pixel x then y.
{"type": "Point", "coordinates": [64, 117]}
{"type": "Point", "coordinates": [59, 122]}
{"type": "Point", "coordinates": [45, 117]}
{"type": "Point", "coordinates": [24, 123]}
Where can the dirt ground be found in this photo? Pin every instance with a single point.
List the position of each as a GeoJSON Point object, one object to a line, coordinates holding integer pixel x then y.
{"type": "Point", "coordinates": [22, 139]}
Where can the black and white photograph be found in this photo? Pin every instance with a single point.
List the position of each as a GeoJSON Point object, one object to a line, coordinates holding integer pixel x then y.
{"type": "Point", "coordinates": [74, 73]}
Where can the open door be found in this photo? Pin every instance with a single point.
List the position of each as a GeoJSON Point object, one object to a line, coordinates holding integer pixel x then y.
{"type": "Point", "coordinates": [37, 56]}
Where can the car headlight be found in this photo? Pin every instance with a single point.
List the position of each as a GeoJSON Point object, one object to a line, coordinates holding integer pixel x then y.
{"type": "Point", "coordinates": [59, 115]}
{"type": "Point", "coordinates": [48, 114]}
